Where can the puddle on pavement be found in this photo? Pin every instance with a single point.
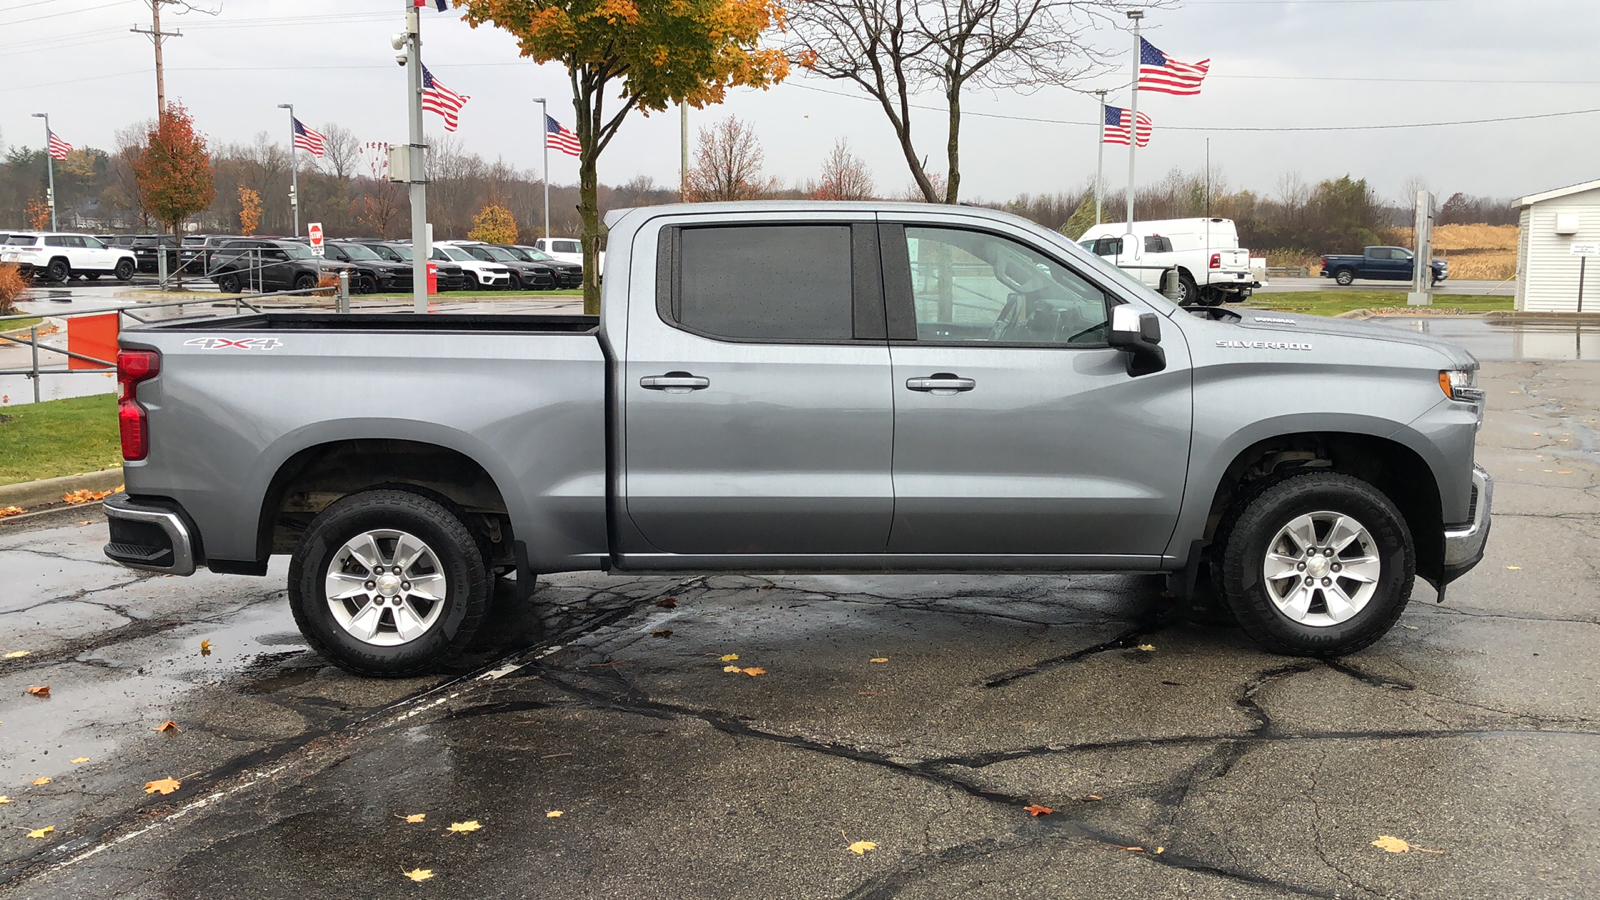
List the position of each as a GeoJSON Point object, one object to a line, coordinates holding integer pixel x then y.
{"type": "Point", "coordinates": [1496, 339]}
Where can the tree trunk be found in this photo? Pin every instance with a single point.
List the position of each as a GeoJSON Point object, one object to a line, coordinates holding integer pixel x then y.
{"type": "Point", "coordinates": [953, 147]}
{"type": "Point", "coordinates": [589, 207]}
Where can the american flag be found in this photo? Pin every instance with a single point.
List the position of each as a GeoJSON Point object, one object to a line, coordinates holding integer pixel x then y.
{"type": "Point", "coordinates": [442, 4]}
{"type": "Point", "coordinates": [1161, 73]}
{"type": "Point", "coordinates": [58, 148]}
{"type": "Point", "coordinates": [1116, 131]}
{"type": "Point", "coordinates": [310, 141]}
{"type": "Point", "coordinates": [440, 99]}
{"type": "Point", "coordinates": [558, 137]}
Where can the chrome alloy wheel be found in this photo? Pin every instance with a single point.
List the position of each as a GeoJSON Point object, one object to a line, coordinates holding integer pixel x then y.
{"type": "Point", "coordinates": [385, 587]}
{"type": "Point", "coordinates": [1322, 569]}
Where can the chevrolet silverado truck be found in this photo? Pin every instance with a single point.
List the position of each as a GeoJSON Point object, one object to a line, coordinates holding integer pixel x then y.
{"type": "Point", "coordinates": [1379, 264]}
{"type": "Point", "coordinates": [804, 387]}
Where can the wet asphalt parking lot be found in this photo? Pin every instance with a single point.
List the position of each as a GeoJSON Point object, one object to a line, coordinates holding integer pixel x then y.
{"type": "Point", "coordinates": [919, 713]}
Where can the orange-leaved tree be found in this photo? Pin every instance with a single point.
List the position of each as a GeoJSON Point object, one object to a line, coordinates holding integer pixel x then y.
{"type": "Point", "coordinates": [173, 170]}
{"type": "Point", "coordinates": [38, 213]}
{"type": "Point", "coordinates": [646, 54]}
{"type": "Point", "coordinates": [494, 224]}
{"type": "Point", "coordinates": [249, 210]}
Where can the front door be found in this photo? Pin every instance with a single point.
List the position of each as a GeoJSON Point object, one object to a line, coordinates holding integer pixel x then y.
{"type": "Point", "coordinates": [758, 412]}
{"type": "Point", "coordinates": [1018, 430]}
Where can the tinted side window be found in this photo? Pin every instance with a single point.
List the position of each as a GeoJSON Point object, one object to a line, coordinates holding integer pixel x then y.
{"type": "Point", "coordinates": [1157, 244]}
{"type": "Point", "coordinates": [1380, 253]}
{"type": "Point", "coordinates": [772, 282]}
{"type": "Point", "coordinates": [567, 247]}
{"type": "Point", "coordinates": [55, 241]}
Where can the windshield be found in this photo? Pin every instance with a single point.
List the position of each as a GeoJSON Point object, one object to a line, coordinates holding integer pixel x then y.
{"type": "Point", "coordinates": [356, 251]}
{"type": "Point", "coordinates": [457, 254]}
{"type": "Point", "coordinates": [536, 255]}
{"type": "Point", "coordinates": [517, 253]}
{"type": "Point", "coordinates": [296, 251]}
{"type": "Point", "coordinates": [500, 255]}
{"type": "Point", "coordinates": [403, 253]}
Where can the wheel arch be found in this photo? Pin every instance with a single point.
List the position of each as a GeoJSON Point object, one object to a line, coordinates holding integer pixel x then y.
{"type": "Point", "coordinates": [1388, 463]}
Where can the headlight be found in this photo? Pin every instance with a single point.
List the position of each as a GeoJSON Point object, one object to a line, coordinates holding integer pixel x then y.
{"type": "Point", "coordinates": [1461, 384]}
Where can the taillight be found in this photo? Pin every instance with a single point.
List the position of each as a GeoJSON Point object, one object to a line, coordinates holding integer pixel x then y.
{"type": "Point", "coordinates": [133, 367]}
{"type": "Point", "coordinates": [1216, 260]}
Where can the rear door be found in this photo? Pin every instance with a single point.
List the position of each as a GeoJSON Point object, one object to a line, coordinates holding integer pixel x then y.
{"type": "Point", "coordinates": [1018, 431]}
{"type": "Point", "coordinates": [758, 412]}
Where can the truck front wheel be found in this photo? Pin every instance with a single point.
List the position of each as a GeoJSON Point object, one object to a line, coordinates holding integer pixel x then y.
{"type": "Point", "coordinates": [388, 583]}
{"type": "Point", "coordinates": [1315, 564]}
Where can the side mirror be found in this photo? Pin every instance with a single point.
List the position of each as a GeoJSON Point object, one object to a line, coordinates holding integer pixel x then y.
{"type": "Point", "coordinates": [1138, 334]}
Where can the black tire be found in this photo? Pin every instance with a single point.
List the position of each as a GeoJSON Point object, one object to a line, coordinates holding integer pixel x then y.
{"type": "Point", "coordinates": [364, 284]}
{"type": "Point", "coordinates": [1243, 540]}
{"type": "Point", "coordinates": [1344, 277]}
{"type": "Point", "coordinates": [58, 271]}
{"type": "Point", "coordinates": [472, 282]}
{"type": "Point", "coordinates": [515, 284]}
{"type": "Point", "coordinates": [124, 270]}
{"type": "Point", "coordinates": [468, 585]}
{"type": "Point", "coordinates": [1191, 291]}
{"type": "Point", "coordinates": [228, 284]}
{"type": "Point", "coordinates": [305, 281]}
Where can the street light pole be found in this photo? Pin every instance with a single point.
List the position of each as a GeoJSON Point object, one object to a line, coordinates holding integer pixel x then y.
{"type": "Point", "coordinates": [50, 169]}
{"type": "Point", "coordinates": [1100, 156]}
{"type": "Point", "coordinates": [544, 128]}
{"type": "Point", "coordinates": [294, 170]}
{"type": "Point", "coordinates": [421, 248]}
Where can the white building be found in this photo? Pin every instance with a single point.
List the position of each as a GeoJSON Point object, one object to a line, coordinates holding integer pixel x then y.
{"type": "Point", "coordinates": [1547, 270]}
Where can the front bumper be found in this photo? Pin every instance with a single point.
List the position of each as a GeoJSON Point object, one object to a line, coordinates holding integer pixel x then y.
{"type": "Point", "coordinates": [1464, 544]}
{"type": "Point", "coordinates": [152, 536]}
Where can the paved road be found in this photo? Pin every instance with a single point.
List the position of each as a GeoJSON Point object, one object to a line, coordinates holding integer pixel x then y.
{"type": "Point", "coordinates": [1292, 285]}
{"type": "Point", "coordinates": [1199, 766]}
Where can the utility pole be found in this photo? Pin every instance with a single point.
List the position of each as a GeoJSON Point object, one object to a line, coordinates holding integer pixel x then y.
{"type": "Point", "coordinates": [294, 170]}
{"type": "Point", "coordinates": [410, 45]}
{"type": "Point", "coordinates": [1100, 156]}
{"type": "Point", "coordinates": [156, 37]}
{"type": "Point", "coordinates": [50, 167]}
{"type": "Point", "coordinates": [544, 126]}
{"type": "Point", "coordinates": [1133, 114]}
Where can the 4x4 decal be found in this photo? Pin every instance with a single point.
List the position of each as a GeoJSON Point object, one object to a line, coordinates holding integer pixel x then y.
{"type": "Point", "coordinates": [218, 343]}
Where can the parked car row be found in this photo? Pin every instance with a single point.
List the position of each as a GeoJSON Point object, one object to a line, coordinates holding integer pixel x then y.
{"type": "Point", "coordinates": [375, 266]}
{"type": "Point", "coordinates": [60, 256]}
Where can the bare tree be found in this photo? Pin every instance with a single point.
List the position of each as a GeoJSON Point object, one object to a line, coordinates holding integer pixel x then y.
{"type": "Point", "coordinates": [727, 164]}
{"type": "Point", "coordinates": [342, 151]}
{"type": "Point", "coordinates": [893, 48]}
{"type": "Point", "coordinates": [844, 176]}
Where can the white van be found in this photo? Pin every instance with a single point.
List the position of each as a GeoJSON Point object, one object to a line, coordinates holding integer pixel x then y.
{"type": "Point", "coordinates": [1212, 268]}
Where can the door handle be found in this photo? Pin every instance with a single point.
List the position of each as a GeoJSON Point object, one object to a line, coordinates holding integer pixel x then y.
{"type": "Point", "coordinates": [941, 383]}
{"type": "Point", "coordinates": [674, 383]}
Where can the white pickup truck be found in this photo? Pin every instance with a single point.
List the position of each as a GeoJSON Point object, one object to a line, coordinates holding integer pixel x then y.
{"type": "Point", "coordinates": [1212, 267]}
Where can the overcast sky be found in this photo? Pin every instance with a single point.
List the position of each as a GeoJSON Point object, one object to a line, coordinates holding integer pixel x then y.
{"type": "Point", "coordinates": [1275, 64]}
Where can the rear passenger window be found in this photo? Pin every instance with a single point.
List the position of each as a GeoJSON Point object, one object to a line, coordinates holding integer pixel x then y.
{"type": "Point", "coordinates": [765, 282]}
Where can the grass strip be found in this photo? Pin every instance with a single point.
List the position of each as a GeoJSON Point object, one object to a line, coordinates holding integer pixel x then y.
{"type": "Point", "coordinates": [58, 437]}
{"type": "Point", "coordinates": [1332, 303]}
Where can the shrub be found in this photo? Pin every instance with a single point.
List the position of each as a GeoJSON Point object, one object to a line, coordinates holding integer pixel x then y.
{"type": "Point", "coordinates": [13, 287]}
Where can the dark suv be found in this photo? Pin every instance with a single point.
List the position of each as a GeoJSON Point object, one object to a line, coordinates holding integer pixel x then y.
{"type": "Point", "coordinates": [267, 265]}
{"type": "Point", "coordinates": [144, 249]}
{"type": "Point", "coordinates": [568, 275]}
{"type": "Point", "coordinates": [448, 275]}
{"type": "Point", "coordinates": [369, 272]}
{"type": "Point", "coordinates": [197, 250]}
{"type": "Point", "coordinates": [526, 275]}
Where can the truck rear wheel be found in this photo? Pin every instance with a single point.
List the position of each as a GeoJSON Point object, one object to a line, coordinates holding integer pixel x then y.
{"type": "Point", "coordinates": [1191, 291]}
{"type": "Point", "coordinates": [388, 583]}
{"type": "Point", "coordinates": [1344, 277]}
{"type": "Point", "coordinates": [1315, 564]}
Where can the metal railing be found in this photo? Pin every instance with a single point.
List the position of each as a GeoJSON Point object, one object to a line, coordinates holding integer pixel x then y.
{"type": "Point", "coordinates": [34, 371]}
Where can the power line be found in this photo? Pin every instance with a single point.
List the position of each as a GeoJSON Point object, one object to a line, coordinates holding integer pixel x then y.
{"type": "Point", "coordinates": [70, 12]}
{"type": "Point", "coordinates": [1283, 129]}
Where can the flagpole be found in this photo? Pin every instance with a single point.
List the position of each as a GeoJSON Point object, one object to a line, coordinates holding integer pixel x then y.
{"type": "Point", "coordinates": [1133, 121]}
{"type": "Point", "coordinates": [50, 168]}
{"type": "Point", "coordinates": [544, 128]}
{"type": "Point", "coordinates": [1100, 157]}
{"type": "Point", "coordinates": [420, 249]}
{"type": "Point", "coordinates": [294, 170]}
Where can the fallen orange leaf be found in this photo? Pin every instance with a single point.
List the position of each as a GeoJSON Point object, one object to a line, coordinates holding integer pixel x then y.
{"type": "Point", "coordinates": [1095, 797]}
{"type": "Point", "coordinates": [415, 817]}
{"type": "Point", "coordinates": [40, 690]}
{"type": "Point", "coordinates": [860, 848]}
{"type": "Point", "coordinates": [753, 671]}
{"type": "Point", "coordinates": [4, 799]}
{"type": "Point", "coordinates": [168, 725]}
{"type": "Point", "coordinates": [730, 658]}
{"type": "Point", "coordinates": [469, 825]}
{"type": "Point", "coordinates": [8, 511]}
{"type": "Point", "coordinates": [1393, 844]}
{"type": "Point", "coordinates": [41, 832]}
{"type": "Point", "coordinates": [418, 874]}
{"type": "Point", "coordinates": [553, 814]}
{"type": "Point", "coordinates": [732, 669]}
{"type": "Point", "coordinates": [81, 759]}
{"type": "Point", "coordinates": [879, 659]}
{"type": "Point", "coordinates": [205, 647]}
{"type": "Point", "coordinates": [84, 496]}
{"type": "Point", "coordinates": [16, 654]}
{"type": "Point", "coordinates": [42, 780]}
{"type": "Point", "coordinates": [1036, 809]}
{"type": "Point", "coordinates": [164, 786]}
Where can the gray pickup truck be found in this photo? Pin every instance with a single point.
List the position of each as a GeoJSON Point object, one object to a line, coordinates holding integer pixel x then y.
{"type": "Point", "coordinates": [805, 387]}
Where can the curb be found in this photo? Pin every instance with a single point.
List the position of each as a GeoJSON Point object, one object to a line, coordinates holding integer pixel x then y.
{"type": "Point", "coordinates": [49, 490]}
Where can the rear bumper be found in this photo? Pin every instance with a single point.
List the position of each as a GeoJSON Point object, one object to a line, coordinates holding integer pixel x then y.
{"type": "Point", "coordinates": [154, 537]}
{"type": "Point", "coordinates": [1464, 544]}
